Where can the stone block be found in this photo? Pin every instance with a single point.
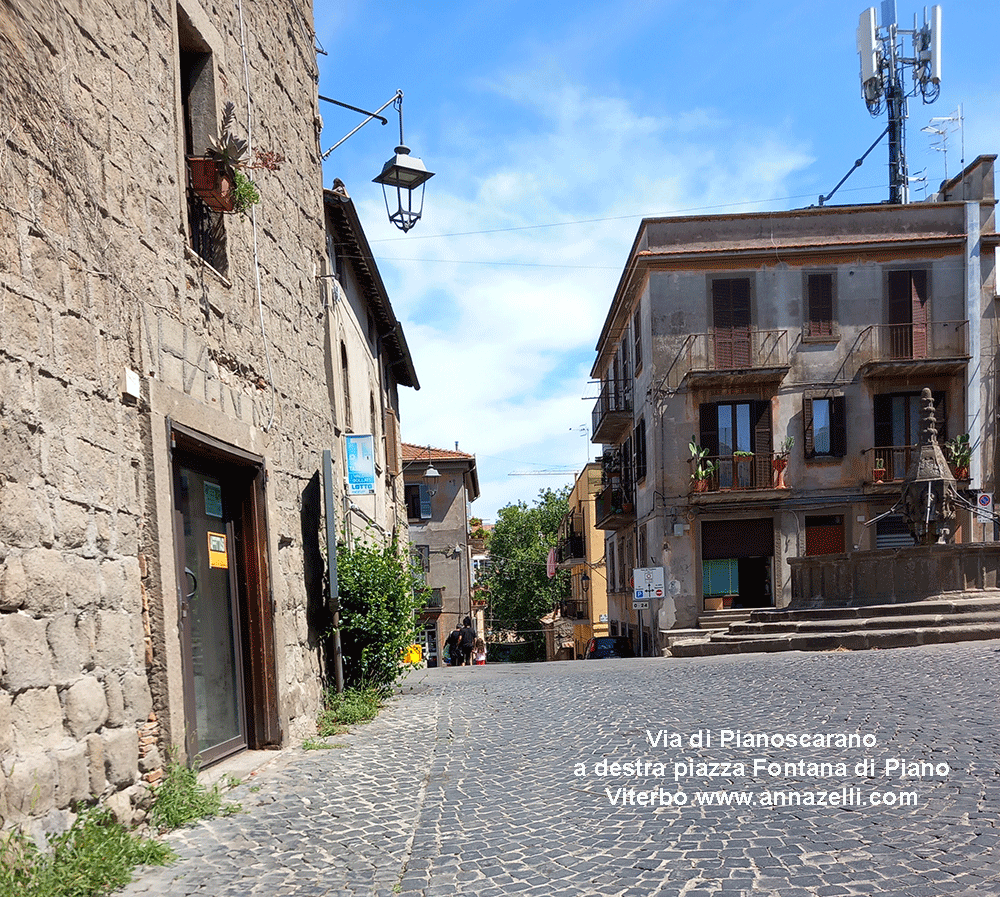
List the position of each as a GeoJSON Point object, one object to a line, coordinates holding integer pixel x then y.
{"type": "Point", "coordinates": [86, 706]}
{"type": "Point", "coordinates": [73, 783]}
{"type": "Point", "coordinates": [70, 646]}
{"type": "Point", "coordinates": [24, 520]}
{"type": "Point", "coordinates": [121, 756]}
{"type": "Point", "coordinates": [46, 575]}
{"type": "Point", "coordinates": [26, 653]}
{"type": "Point", "coordinates": [13, 583]}
{"type": "Point", "coordinates": [138, 699]}
{"type": "Point", "coordinates": [119, 640]}
{"type": "Point", "coordinates": [6, 731]}
{"type": "Point", "coordinates": [20, 448]}
{"type": "Point", "coordinates": [95, 764]}
{"type": "Point", "coordinates": [116, 700]}
{"type": "Point", "coordinates": [36, 720]}
{"type": "Point", "coordinates": [72, 523]}
{"type": "Point", "coordinates": [31, 785]}
{"type": "Point", "coordinates": [119, 584]}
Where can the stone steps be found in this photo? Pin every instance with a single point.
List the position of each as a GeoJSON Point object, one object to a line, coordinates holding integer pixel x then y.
{"type": "Point", "coordinates": [936, 621]}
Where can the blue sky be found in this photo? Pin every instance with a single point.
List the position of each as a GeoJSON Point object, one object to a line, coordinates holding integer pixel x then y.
{"type": "Point", "coordinates": [553, 129]}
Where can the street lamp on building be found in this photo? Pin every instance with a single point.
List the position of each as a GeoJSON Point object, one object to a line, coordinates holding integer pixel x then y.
{"type": "Point", "coordinates": [431, 475]}
{"type": "Point", "coordinates": [403, 173]}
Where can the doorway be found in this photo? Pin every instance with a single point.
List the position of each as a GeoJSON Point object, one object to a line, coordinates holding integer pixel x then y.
{"type": "Point", "coordinates": [226, 617]}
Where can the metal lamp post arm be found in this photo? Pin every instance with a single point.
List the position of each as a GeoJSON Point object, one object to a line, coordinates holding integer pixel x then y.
{"type": "Point", "coordinates": [397, 98]}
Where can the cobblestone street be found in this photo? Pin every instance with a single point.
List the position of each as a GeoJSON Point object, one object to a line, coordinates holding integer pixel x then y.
{"type": "Point", "coordinates": [468, 784]}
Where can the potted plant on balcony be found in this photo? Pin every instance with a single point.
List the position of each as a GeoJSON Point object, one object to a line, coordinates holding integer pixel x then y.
{"type": "Point", "coordinates": [703, 469]}
{"type": "Point", "coordinates": [878, 469]}
{"type": "Point", "coordinates": [780, 461]}
{"type": "Point", "coordinates": [743, 478]}
{"type": "Point", "coordinates": [218, 176]}
{"type": "Point", "coordinates": [959, 454]}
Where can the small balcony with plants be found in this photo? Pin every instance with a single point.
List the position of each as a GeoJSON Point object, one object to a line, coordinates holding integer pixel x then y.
{"type": "Point", "coordinates": [612, 414]}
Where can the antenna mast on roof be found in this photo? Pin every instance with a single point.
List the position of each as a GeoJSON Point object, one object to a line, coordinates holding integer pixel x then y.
{"type": "Point", "coordinates": [883, 69]}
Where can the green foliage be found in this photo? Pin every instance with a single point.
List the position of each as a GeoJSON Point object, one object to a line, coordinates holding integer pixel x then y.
{"type": "Point", "coordinates": [379, 602]}
{"type": "Point", "coordinates": [181, 799]}
{"type": "Point", "coordinates": [702, 469]}
{"type": "Point", "coordinates": [244, 193]}
{"type": "Point", "coordinates": [958, 450]}
{"type": "Point", "coordinates": [94, 857]}
{"type": "Point", "coordinates": [520, 591]}
{"type": "Point", "coordinates": [351, 706]}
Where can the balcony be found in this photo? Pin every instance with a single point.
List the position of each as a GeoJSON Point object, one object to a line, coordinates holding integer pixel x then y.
{"type": "Point", "coordinates": [571, 550]}
{"type": "Point", "coordinates": [612, 414]}
{"type": "Point", "coordinates": [730, 358]}
{"type": "Point", "coordinates": [905, 350]}
{"type": "Point", "coordinates": [739, 473]}
{"type": "Point", "coordinates": [615, 508]}
{"type": "Point", "coordinates": [896, 461]}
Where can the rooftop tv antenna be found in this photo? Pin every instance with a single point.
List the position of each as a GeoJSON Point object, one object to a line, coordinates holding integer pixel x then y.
{"type": "Point", "coordinates": [884, 66]}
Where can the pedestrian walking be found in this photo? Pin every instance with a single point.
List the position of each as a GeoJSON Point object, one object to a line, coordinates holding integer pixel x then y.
{"type": "Point", "coordinates": [467, 642]}
{"type": "Point", "coordinates": [453, 644]}
{"type": "Point", "coordinates": [479, 652]}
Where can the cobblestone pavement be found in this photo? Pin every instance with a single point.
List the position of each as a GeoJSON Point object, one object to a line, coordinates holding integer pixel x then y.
{"type": "Point", "coordinates": [467, 784]}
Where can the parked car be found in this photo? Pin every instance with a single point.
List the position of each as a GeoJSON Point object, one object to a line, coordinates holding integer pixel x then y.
{"type": "Point", "coordinates": [609, 646]}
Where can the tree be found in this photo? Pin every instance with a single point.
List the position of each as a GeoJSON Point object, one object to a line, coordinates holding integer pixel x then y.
{"type": "Point", "coordinates": [519, 588]}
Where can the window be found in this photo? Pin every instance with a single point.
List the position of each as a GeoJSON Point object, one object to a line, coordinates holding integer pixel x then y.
{"type": "Point", "coordinates": [730, 428]}
{"type": "Point", "coordinates": [639, 445]}
{"type": "Point", "coordinates": [345, 375]}
{"type": "Point", "coordinates": [819, 288]}
{"type": "Point", "coordinates": [421, 555]}
{"type": "Point", "coordinates": [435, 598]}
{"type": "Point", "coordinates": [418, 501]}
{"type": "Point", "coordinates": [897, 428]}
{"type": "Point", "coordinates": [824, 421]}
{"type": "Point", "coordinates": [206, 228]}
{"type": "Point", "coordinates": [642, 558]}
{"type": "Point", "coordinates": [610, 567]}
{"type": "Point", "coordinates": [731, 323]}
{"type": "Point", "coordinates": [907, 312]}
{"type": "Point", "coordinates": [637, 338]}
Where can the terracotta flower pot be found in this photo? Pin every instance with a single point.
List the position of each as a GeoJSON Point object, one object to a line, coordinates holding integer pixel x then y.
{"type": "Point", "coordinates": [779, 465]}
{"type": "Point", "coordinates": [212, 182]}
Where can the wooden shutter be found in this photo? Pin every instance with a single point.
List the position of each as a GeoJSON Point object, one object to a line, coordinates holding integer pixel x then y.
{"type": "Point", "coordinates": [709, 428]}
{"type": "Point", "coordinates": [882, 406]}
{"type": "Point", "coordinates": [391, 435]}
{"type": "Point", "coordinates": [731, 320]}
{"type": "Point", "coordinates": [918, 312]}
{"type": "Point", "coordinates": [763, 442]}
{"type": "Point", "coordinates": [820, 304]}
{"type": "Point", "coordinates": [838, 426]}
{"type": "Point", "coordinates": [808, 444]}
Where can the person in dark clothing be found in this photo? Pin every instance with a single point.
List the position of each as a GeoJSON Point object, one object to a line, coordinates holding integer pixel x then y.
{"type": "Point", "coordinates": [453, 641]}
{"type": "Point", "coordinates": [467, 640]}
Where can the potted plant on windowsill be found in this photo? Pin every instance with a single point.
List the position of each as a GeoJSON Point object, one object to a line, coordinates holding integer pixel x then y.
{"type": "Point", "coordinates": [878, 469]}
{"type": "Point", "coordinates": [703, 469]}
{"type": "Point", "coordinates": [959, 454]}
{"type": "Point", "coordinates": [780, 461]}
{"type": "Point", "coordinates": [219, 177]}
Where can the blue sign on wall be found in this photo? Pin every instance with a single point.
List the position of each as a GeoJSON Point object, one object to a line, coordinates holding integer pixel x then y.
{"type": "Point", "coordinates": [360, 465]}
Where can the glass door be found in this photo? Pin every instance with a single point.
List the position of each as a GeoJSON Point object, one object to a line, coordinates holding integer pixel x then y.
{"type": "Point", "coordinates": [214, 700]}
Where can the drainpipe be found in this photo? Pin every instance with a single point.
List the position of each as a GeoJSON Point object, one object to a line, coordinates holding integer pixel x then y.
{"type": "Point", "coordinates": [974, 424]}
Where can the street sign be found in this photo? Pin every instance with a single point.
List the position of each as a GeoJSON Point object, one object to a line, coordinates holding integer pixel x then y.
{"type": "Point", "coordinates": [640, 605]}
{"type": "Point", "coordinates": [985, 502]}
{"type": "Point", "coordinates": [648, 582]}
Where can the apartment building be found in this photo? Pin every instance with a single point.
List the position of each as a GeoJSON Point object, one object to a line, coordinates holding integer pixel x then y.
{"type": "Point", "coordinates": [790, 348]}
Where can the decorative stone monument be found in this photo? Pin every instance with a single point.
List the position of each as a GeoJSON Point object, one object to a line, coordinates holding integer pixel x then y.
{"type": "Point", "coordinates": [930, 498]}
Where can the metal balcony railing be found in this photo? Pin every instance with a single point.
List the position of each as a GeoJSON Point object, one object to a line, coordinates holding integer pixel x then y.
{"type": "Point", "coordinates": [571, 549]}
{"type": "Point", "coordinates": [615, 507]}
{"type": "Point", "coordinates": [612, 414]}
{"type": "Point", "coordinates": [718, 350]}
{"type": "Point", "coordinates": [905, 342]}
{"type": "Point", "coordinates": [736, 472]}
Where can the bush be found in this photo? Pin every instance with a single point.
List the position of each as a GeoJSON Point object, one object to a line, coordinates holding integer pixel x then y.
{"type": "Point", "coordinates": [378, 607]}
{"type": "Point", "coordinates": [353, 705]}
{"type": "Point", "coordinates": [181, 799]}
{"type": "Point", "coordinates": [94, 857]}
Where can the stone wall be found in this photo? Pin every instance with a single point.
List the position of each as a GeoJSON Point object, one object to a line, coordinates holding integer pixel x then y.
{"type": "Point", "coordinates": [97, 278]}
{"type": "Point", "coordinates": [892, 576]}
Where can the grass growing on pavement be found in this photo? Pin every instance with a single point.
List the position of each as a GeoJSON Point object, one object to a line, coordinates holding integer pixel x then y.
{"type": "Point", "coordinates": [181, 799]}
{"type": "Point", "coordinates": [353, 705]}
{"type": "Point", "coordinates": [94, 857]}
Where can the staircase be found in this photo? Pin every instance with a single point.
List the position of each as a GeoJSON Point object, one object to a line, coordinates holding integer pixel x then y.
{"type": "Point", "coordinates": [947, 618]}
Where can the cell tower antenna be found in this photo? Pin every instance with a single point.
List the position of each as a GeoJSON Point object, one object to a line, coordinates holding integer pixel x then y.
{"type": "Point", "coordinates": [884, 64]}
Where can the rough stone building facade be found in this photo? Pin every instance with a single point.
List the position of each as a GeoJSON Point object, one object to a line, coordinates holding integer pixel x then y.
{"type": "Point", "coordinates": [168, 383]}
{"type": "Point", "coordinates": [792, 347]}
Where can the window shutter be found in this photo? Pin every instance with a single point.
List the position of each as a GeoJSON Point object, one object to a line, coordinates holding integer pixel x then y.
{"type": "Point", "coordinates": [763, 441]}
{"type": "Point", "coordinates": [882, 405]}
{"type": "Point", "coordinates": [838, 426]}
{"type": "Point", "coordinates": [709, 429]}
{"type": "Point", "coordinates": [918, 313]}
{"type": "Point", "coordinates": [807, 426]}
{"type": "Point", "coordinates": [820, 304]}
{"type": "Point", "coordinates": [425, 502]}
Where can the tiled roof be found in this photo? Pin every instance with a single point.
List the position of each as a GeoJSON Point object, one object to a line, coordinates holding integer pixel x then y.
{"type": "Point", "coordinates": [428, 453]}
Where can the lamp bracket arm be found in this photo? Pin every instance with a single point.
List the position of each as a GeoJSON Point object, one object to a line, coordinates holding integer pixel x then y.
{"type": "Point", "coordinates": [398, 96]}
